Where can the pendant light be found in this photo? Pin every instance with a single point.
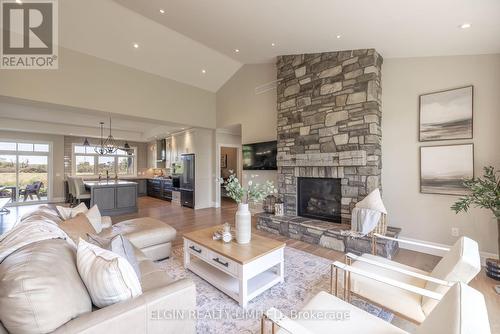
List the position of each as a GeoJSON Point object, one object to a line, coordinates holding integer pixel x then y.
{"type": "Point", "coordinates": [127, 148]}
{"type": "Point", "coordinates": [101, 149]}
{"type": "Point", "coordinates": [110, 143]}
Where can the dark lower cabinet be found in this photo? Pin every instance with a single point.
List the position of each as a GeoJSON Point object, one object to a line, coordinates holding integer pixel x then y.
{"type": "Point", "coordinates": [154, 188]}
{"type": "Point", "coordinates": [187, 198]}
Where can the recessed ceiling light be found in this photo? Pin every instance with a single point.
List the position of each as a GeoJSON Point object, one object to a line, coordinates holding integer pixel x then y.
{"type": "Point", "coordinates": [237, 50]}
{"type": "Point", "coordinates": [465, 25]}
{"type": "Point", "coordinates": [19, 2]}
{"type": "Point", "coordinates": [273, 44]}
{"type": "Point", "coordinates": [339, 36]}
{"type": "Point", "coordinates": [136, 46]}
{"type": "Point", "coordinates": [162, 11]}
{"type": "Point", "coordinates": [204, 71]}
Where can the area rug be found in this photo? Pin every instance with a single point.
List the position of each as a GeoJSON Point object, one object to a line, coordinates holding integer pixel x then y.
{"type": "Point", "coordinates": [305, 276]}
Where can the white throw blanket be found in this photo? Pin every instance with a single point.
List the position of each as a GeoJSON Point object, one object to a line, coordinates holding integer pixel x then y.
{"type": "Point", "coordinates": [367, 213]}
{"type": "Point", "coordinates": [36, 226]}
{"type": "Point", "coordinates": [364, 220]}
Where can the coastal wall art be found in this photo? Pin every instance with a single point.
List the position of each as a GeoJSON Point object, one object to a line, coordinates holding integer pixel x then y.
{"type": "Point", "coordinates": [443, 168]}
{"type": "Point", "coordinates": [446, 114]}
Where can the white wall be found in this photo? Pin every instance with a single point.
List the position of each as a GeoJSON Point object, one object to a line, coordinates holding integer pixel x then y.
{"type": "Point", "coordinates": [237, 103]}
{"type": "Point", "coordinates": [88, 82]}
{"type": "Point", "coordinates": [428, 216]}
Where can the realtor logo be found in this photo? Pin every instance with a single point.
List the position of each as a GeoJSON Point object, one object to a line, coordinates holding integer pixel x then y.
{"type": "Point", "coordinates": [29, 34]}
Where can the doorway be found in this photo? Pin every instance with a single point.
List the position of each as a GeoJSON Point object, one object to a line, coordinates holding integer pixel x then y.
{"type": "Point", "coordinates": [229, 162]}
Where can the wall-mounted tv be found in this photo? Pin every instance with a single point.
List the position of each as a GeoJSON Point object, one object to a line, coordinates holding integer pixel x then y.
{"type": "Point", "coordinates": [260, 156]}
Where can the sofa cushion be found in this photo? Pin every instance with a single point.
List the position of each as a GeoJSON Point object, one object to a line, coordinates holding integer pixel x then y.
{"type": "Point", "coordinates": [143, 232]}
{"type": "Point", "coordinates": [109, 278]}
{"type": "Point", "coordinates": [461, 264]}
{"type": "Point", "coordinates": [405, 302]}
{"type": "Point", "coordinates": [67, 213]}
{"type": "Point", "coordinates": [95, 218]}
{"type": "Point", "coordinates": [153, 276]}
{"type": "Point", "coordinates": [118, 245]}
{"type": "Point", "coordinates": [77, 227]}
{"type": "Point", "coordinates": [40, 288]}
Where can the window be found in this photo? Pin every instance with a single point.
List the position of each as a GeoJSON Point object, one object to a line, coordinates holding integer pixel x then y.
{"type": "Point", "coordinates": [25, 171]}
{"type": "Point", "coordinates": [105, 164]}
{"type": "Point", "coordinates": [84, 165]}
{"type": "Point", "coordinates": [87, 162]}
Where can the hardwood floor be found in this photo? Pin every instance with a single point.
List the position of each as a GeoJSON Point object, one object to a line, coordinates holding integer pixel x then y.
{"type": "Point", "coordinates": [186, 220]}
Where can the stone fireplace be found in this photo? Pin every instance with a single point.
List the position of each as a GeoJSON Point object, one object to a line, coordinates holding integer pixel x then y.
{"type": "Point", "coordinates": [329, 117]}
{"type": "Point", "coordinates": [329, 128]}
{"type": "Point", "coordinates": [319, 198]}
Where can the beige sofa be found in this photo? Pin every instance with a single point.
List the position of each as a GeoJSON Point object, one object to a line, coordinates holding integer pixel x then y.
{"type": "Point", "coordinates": [42, 292]}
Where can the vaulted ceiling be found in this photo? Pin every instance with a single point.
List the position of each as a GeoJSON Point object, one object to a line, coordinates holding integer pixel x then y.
{"type": "Point", "coordinates": [195, 42]}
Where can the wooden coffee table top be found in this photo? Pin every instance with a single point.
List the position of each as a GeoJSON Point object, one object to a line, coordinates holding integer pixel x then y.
{"type": "Point", "coordinates": [242, 254]}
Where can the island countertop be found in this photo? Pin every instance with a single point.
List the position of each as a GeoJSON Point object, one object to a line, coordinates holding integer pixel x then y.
{"type": "Point", "coordinates": [110, 183]}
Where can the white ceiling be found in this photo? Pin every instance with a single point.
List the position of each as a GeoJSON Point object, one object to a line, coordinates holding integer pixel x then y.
{"type": "Point", "coordinates": [396, 28]}
{"type": "Point", "coordinates": [27, 116]}
{"type": "Point", "coordinates": [107, 30]}
{"type": "Point", "coordinates": [195, 35]}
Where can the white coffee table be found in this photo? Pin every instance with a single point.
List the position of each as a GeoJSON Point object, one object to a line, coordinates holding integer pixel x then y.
{"type": "Point", "coordinates": [241, 271]}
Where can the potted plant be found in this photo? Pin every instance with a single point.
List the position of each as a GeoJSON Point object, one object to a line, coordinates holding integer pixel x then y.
{"type": "Point", "coordinates": [254, 192]}
{"type": "Point", "coordinates": [484, 193]}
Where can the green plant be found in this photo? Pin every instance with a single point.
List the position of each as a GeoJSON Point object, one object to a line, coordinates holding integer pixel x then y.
{"type": "Point", "coordinates": [254, 192]}
{"type": "Point", "coordinates": [484, 193]}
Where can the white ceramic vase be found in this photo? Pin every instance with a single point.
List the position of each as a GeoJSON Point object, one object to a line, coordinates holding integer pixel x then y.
{"type": "Point", "coordinates": [243, 224]}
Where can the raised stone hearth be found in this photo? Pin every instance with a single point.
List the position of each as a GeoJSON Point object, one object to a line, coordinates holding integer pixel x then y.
{"type": "Point", "coordinates": [326, 234]}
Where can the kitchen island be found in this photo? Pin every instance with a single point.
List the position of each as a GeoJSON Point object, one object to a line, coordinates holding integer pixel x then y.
{"type": "Point", "coordinates": [113, 197]}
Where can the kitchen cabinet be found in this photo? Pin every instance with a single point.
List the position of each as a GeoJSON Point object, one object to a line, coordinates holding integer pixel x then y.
{"type": "Point", "coordinates": [167, 190]}
{"type": "Point", "coordinates": [142, 187]}
{"type": "Point", "coordinates": [151, 154]}
{"type": "Point", "coordinates": [187, 198]}
{"type": "Point", "coordinates": [160, 188]}
{"type": "Point", "coordinates": [154, 188]}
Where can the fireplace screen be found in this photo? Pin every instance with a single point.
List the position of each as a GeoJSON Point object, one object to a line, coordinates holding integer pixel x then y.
{"type": "Point", "coordinates": [319, 198]}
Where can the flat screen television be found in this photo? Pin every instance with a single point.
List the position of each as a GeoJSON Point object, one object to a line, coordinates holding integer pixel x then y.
{"type": "Point", "coordinates": [260, 156]}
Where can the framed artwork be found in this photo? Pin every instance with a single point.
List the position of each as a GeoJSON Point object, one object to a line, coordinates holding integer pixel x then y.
{"type": "Point", "coordinates": [446, 115]}
{"type": "Point", "coordinates": [443, 168]}
{"type": "Point", "coordinates": [223, 161]}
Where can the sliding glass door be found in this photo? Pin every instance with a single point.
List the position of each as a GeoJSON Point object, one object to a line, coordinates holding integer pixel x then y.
{"type": "Point", "coordinates": [24, 171]}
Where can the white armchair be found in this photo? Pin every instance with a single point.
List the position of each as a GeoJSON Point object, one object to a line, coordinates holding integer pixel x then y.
{"type": "Point", "coordinates": [461, 311]}
{"type": "Point", "coordinates": [407, 298]}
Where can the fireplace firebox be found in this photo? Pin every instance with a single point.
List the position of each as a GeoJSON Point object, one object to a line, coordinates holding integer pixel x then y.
{"type": "Point", "coordinates": [319, 198]}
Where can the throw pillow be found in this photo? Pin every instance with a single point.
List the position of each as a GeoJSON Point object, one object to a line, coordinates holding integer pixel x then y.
{"type": "Point", "coordinates": [67, 213]}
{"type": "Point", "coordinates": [94, 216]}
{"type": "Point", "coordinates": [109, 278]}
{"type": "Point", "coordinates": [77, 227]}
{"type": "Point", "coordinates": [118, 245]}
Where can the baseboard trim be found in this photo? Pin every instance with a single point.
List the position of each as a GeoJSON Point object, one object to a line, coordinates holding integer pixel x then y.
{"type": "Point", "coordinates": [437, 252]}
